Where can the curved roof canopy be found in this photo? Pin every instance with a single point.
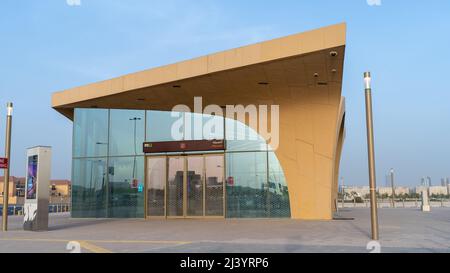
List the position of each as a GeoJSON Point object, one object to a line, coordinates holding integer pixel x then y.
{"type": "Point", "coordinates": [264, 71]}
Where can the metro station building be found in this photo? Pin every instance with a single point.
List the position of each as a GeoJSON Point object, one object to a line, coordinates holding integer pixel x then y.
{"type": "Point", "coordinates": [127, 164]}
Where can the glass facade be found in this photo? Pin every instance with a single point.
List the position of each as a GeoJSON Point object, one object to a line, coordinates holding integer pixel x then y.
{"type": "Point", "coordinates": [89, 188]}
{"type": "Point", "coordinates": [126, 175]}
{"type": "Point", "coordinates": [90, 133]}
{"type": "Point", "coordinates": [256, 187]}
{"type": "Point", "coordinates": [108, 163]}
{"type": "Point", "coordinates": [126, 132]}
{"type": "Point", "coordinates": [108, 167]}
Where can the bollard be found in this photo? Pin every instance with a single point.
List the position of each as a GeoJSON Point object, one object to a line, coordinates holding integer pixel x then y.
{"type": "Point", "coordinates": [14, 210]}
{"type": "Point", "coordinates": [403, 203]}
{"type": "Point", "coordinates": [425, 201]}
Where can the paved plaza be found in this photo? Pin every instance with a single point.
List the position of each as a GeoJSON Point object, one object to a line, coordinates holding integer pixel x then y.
{"type": "Point", "coordinates": [401, 230]}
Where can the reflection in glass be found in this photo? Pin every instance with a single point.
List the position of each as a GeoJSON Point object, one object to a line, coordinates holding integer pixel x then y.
{"type": "Point", "coordinates": [159, 126]}
{"type": "Point", "coordinates": [175, 186]}
{"type": "Point", "coordinates": [156, 183]}
{"type": "Point", "coordinates": [255, 188]}
{"type": "Point", "coordinates": [246, 194]}
{"type": "Point", "coordinates": [213, 127]}
{"type": "Point", "coordinates": [240, 137]}
{"type": "Point", "coordinates": [126, 132]}
{"type": "Point", "coordinates": [214, 167]}
{"type": "Point", "coordinates": [202, 126]}
{"type": "Point", "coordinates": [126, 198]}
{"type": "Point", "coordinates": [90, 132]}
{"type": "Point", "coordinates": [89, 188]}
{"type": "Point", "coordinates": [195, 186]}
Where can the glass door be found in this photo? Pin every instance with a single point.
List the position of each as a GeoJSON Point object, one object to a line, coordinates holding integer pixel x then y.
{"type": "Point", "coordinates": [185, 186]}
{"type": "Point", "coordinates": [214, 186]}
{"type": "Point", "coordinates": [194, 185]}
{"type": "Point", "coordinates": [156, 184]}
{"type": "Point", "coordinates": [175, 186]}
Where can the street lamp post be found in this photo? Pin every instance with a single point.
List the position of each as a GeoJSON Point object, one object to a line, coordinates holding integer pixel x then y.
{"type": "Point", "coordinates": [343, 192]}
{"type": "Point", "coordinates": [135, 119]}
{"type": "Point", "coordinates": [9, 108]}
{"type": "Point", "coordinates": [371, 154]}
{"type": "Point", "coordinates": [391, 172]}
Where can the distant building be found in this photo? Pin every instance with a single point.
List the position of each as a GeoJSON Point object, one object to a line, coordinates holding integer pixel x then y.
{"type": "Point", "coordinates": [436, 190]}
{"type": "Point", "coordinates": [59, 190]}
{"type": "Point", "coordinates": [353, 191]}
{"type": "Point", "coordinates": [388, 191]}
{"type": "Point", "coordinates": [16, 190]}
{"type": "Point", "coordinates": [363, 191]}
{"type": "Point", "coordinates": [426, 182]}
{"type": "Point", "coordinates": [420, 189]}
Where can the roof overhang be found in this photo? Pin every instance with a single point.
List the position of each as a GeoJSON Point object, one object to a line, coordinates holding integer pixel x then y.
{"type": "Point", "coordinates": [236, 76]}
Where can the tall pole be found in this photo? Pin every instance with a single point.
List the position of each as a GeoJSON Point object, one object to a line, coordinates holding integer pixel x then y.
{"type": "Point", "coordinates": [393, 188]}
{"type": "Point", "coordinates": [9, 107]}
{"type": "Point", "coordinates": [135, 119]}
{"type": "Point", "coordinates": [371, 153]}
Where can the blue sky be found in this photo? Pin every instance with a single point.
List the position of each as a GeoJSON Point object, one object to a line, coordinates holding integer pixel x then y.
{"type": "Point", "coordinates": [48, 45]}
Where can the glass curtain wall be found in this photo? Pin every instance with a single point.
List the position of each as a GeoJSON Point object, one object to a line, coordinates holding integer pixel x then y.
{"type": "Point", "coordinates": [89, 165]}
{"type": "Point", "coordinates": [126, 164]}
{"type": "Point", "coordinates": [108, 162]}
{"type": "Point", "coordinates": [256, 186]}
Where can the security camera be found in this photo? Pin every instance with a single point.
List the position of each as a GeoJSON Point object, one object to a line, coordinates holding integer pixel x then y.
{"type": "Point", "coordinates": [333, 53]}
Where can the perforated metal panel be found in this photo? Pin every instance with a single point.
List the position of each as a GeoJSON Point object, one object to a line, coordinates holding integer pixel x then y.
{"type": "Point", "coordinates": [214, 165]}
{"type": "Point", "coordinates": [195, 186]}
{"type": "Point", "coordinates": [175, 186]}
{"type": "Point", "coordinates": [156, 184]}
{"type": "Point", "coordinates": [256, 186]}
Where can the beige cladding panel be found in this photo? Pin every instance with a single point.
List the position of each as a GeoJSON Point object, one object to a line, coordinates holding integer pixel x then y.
{"type": "Point", "coordinates": [307, 158]}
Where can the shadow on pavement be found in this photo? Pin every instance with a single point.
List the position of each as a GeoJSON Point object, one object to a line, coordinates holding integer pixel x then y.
{"type": "Point", "coordinates": [78, 224]}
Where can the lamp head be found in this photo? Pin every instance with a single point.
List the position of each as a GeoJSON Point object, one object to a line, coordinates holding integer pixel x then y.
{"type": "Point", "coordinates": [367, 80]}
{"type": "Point", "coordinates": [9, 107]}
